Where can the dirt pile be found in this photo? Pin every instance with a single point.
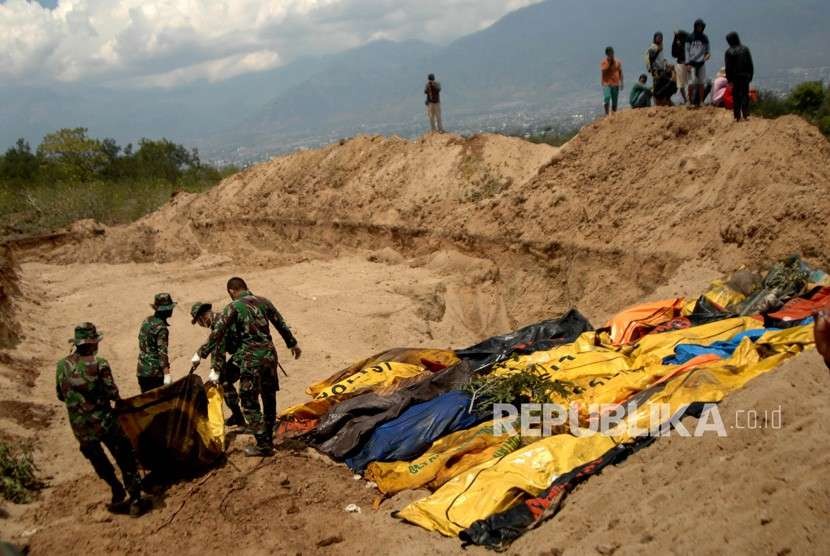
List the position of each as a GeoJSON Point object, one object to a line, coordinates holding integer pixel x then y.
{"type": "Point", "coordinates": [622, 204]}
{"type": "Point", "coordinates": [690, 183]}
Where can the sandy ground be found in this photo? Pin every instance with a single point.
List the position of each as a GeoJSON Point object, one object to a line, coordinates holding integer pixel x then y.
{"type": "Point", "coordinates": [662, 498]}
{"type": "Point", "coordinates": [340, 310]}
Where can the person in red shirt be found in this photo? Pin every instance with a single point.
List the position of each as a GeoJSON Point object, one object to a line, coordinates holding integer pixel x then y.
{"type": "Point", "coordinates": [611, 76]}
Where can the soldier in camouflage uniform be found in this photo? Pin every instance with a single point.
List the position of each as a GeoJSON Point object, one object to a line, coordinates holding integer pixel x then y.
{"type": "Point", "coordinates": [224, 371]}
{"type": "Point", "coordinates": [84, 383]}
{"type": "Point", "coordinates": [248, 316]}
{"type": "Point", "coordinates": [153, 338]}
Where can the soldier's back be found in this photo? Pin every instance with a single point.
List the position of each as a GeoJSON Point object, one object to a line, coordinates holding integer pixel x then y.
{"type": "Point", "coordinates": [252, 321]}
{"type": "Point", "coordinates": [149, 356]}
{"type": "Point", "coordinates": [82, 383]}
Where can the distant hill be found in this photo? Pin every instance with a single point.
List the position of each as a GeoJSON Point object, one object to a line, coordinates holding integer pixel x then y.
{"type": "Point", "coordinates": [537, 57]}
{"type": "Point", "coordinates": [534, 54]}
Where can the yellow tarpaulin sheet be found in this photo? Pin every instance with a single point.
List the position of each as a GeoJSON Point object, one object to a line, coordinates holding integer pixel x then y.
{"type": "Point", "coordinates": [651, 349]}
{"type": "Point", "coordinates": [215, 415]}
{"type": "Point", "coordinates": [433, 359]}
{"type": "Point", "coordinates": [707, 384]}
{"type": "Point", "coordinates": [498, 484]}
{"type": "Point", "coordinates": [567, 362]}
{"type": "Point", "coordinates": [179, 427]}
{"type": "Point", "coordinates": [624, 385]}
{"type": "Point", "coordinates": [376, 378]}
{"type": "Point", "coordinates": [722, 295]}
{"type": "Point", "coordinates": [447, 457]}
{"type": "Point", "coordinates": [788, 339]}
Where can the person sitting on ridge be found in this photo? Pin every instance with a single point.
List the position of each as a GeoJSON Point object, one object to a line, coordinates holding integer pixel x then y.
{"type": "Point", "coordinates": [719, 87]}
{"type": "Point", "coordinates": [640, 96]}
{"type": "Point", "coordinates": [665, 86]}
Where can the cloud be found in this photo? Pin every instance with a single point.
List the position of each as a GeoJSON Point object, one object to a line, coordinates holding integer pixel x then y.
{"type": "Point", "coordinates": [167, 42]}
{"type": "Point", "coordinates": [214, 70]}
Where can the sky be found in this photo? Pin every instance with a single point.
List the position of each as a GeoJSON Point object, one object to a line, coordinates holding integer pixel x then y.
{"type": "Point", "coordinates": [164, 43]}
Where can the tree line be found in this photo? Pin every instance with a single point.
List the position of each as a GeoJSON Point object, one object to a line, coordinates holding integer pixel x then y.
{"type": "Point", "coordinates": [72, 156]}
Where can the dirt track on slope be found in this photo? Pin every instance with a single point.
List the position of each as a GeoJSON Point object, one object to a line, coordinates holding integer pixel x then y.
{"type": "Point", "coordinates": [381, 242]}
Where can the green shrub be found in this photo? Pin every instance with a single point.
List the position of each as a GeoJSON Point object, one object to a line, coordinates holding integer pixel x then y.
{"type": "Point", "coordinates": [43, 207]}
{"type": "Point", "coordinates": [810, 100]}
{"type": "Point", "coordinates": [555, 139]}
{"type": "Point", "coordinates": [18, 481]}
{"type": "Point", "coordinates": [770, 105]}
{"type": "Point", "coordinates": [807, 98]}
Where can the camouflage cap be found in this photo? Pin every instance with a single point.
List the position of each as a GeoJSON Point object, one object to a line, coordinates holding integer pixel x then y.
{"type": "Point", "coordinates": [198, 309]}
{"type": "Point", "coordinates": [163, 302]}
{"type": "Point", "coordinates": [86, 333]}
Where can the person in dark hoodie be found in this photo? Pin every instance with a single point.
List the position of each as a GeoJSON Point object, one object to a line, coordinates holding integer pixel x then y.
{"type": "Point", "coordinates": [739, 72]}
{"type": "Point", "coordinates": [678, 52]}
{"type": "Point", "coordinates": [697, 54]}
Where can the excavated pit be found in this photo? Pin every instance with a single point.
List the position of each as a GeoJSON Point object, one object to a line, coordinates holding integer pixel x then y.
{"type": "Point", "coordinates": [381, 242]}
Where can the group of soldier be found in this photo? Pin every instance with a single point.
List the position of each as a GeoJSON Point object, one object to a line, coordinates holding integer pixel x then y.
{"type": "Point", "coordinates": [240, 347]}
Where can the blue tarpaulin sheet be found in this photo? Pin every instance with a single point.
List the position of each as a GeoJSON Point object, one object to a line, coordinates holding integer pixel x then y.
{"type": "Point", "coordinates": [685, 352]}
{"type": "Point", "coordinates": [415, 430]}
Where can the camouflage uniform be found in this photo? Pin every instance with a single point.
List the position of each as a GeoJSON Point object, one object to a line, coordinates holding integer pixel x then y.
{"type": "Point", "coordinates": [153, 340]}
{"type": "Point", "coordinates": [227, 369]}
{"type": "Point", "coordinates": [247, 317]}
{"type": "Point", "coordinates": [84, 383]}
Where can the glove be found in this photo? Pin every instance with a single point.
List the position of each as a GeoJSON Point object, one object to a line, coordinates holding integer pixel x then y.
{"type": "Point", "coordinates": [213, 376]}
{"type": "Point", "coordinates": [168, 379]}
{"type": "Point", "coordinates": [195, 359]}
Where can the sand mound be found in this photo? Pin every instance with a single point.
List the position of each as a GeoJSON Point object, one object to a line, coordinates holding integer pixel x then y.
{"type": "Point", "coordinates": [623, 205]}
{"type": "Point", "coordinates": [657, 181]}
{"type": "Point", "coordinates": [695, 184]}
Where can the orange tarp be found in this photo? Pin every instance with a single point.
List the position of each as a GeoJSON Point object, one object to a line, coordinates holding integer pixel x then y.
{"type": "Point", "coordinates": [635, 322]}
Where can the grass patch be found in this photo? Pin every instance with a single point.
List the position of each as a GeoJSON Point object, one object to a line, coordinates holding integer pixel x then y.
{"type": "Point", "coordinates": [34, 208]}
{"type": "Point", "coordinates": [18, 479]}
{"type": "Point", "coordinates": [553, 138]}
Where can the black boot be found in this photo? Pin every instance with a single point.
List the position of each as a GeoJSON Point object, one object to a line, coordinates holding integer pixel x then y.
{"type": "Point", "coordinates": [119, 496]}
{"type": "Point", "coordinates": [138, 506]}
{"type": "Point", "coordinates": [259, 451]}
{"type": "Point", "coordinates": [236, 419]}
